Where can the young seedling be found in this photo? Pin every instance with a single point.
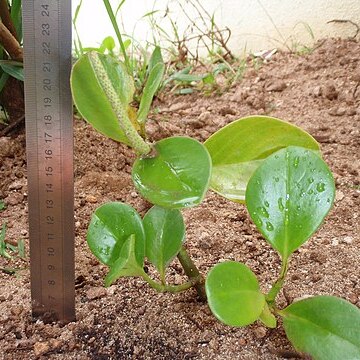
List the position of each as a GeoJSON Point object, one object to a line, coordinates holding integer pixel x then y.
{"type": "Point", "coordinates": [288, 196]}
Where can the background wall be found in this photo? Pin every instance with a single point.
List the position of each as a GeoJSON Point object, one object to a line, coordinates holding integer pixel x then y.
{"type": "Point", "coordinates": [255, 24]}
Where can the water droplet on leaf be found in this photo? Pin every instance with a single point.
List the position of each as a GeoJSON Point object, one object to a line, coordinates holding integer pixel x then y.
{"type": "Point", "coordinates": [269, 226]}
{"type": "Point", "coordinates": [263, 211]}
{"type": "Point", "coordinates": [281, 204]}
{"type": "Point", "coordinates": [296, 161]}
{"type": "Point", "coordinates": [320, 187]}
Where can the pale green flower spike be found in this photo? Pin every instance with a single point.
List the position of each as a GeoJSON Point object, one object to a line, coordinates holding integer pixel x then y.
{"type": "Point", "coordinates": [120, 110]}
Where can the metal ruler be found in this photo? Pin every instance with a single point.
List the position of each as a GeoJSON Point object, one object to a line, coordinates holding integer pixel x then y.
{"type": "Point", "coordinates": [49, 144]}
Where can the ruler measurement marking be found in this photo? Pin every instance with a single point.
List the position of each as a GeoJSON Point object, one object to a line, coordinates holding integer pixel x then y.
{"type": "Point", "coordinates": [48, 118]}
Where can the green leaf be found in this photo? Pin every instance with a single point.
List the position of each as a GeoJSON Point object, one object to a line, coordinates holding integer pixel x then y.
{"type": "Point", "coordinates": [164, 235]}
{"type": "Point", "coordinates": [90, 97]}
{"type": "Point", "coordinates": [326, 327]}
{"type": "Point", "coordinates": [156, 74]}
{"type": "Point", "coordinates": [16, 17]}
{"type": "Point", "coordinates": [155, 58]}
{"type": "Point", "coordinates": [110, 227]}
{"type": "Point", "coordinates": [288, 197]}
{"type": "Point", "coordinates": [239, 148]}
{"type": "Point", "coordinates": [108, 43]}
{"type": "Point", "coordinates": [126, 264]}
{"type": "Point", "coordinates": [13, 68]}
{"type": "Point", "coordinates": [234, 294]}
{"type": "Point", "coordinates": [177, 176]}
{"type": "Point", "coordinates": [3, 247]}
{"type": "Point", "coordinates": [268, 318]}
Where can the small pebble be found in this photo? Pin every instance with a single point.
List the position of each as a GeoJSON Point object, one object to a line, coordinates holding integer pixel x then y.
{"type": "Point", "coordinates": [178, 106]}
{"type": "Point", "coordinates": [339, 195]}
{"type": "Point", "coordinates": [351, 111]}
{"type": "Point", "coordinates": [96, 293]}
{"type": "Point", "coordinates": [348, 240]}
{"type": "Point", "coordinates": [277, 85]}
{"type": "Point", "coordinates": [206, 115]}
{"type": "Point", "coordinates": [330, 92]}
{"type": "Point", "coordinates": [260, 332]}
{"type": "Point", "coordinates": [16, 185]}
{"type": "Point", "coordinates": [17, 310]}
{"type": "Point", "coordinates": [42, 348]}
{"type": "Point", "coordinates": [242, 342]}
{"type": "Point", "coordinates": [91, 199]}
{"type": "Point", "coordinates": [14, 199]}
{"type": "Point", "coordinates": [317, 91]}
{"type": "Point", "coordinates": [353, 298]}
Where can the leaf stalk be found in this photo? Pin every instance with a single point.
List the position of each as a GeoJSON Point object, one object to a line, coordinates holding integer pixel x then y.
{"type": "Point", "coordinates": [278, 284]}
{"type": "Point", "coordinates": [192, 273]}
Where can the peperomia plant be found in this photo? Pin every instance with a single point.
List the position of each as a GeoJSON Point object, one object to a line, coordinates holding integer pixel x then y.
{"type": "Point", "coordinates": [274, 166]}
{"type": "Point", "coordinates": [173, 173]}
{"type": "Point", "coordinates": [287, 197]}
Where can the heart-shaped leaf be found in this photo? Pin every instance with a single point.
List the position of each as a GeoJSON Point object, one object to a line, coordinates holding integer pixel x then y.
{"type": "Point", "coordinates": [177, 176]}
{"type": "Point", "coordinates": [239, 148]}
{"type": "Point", "coordinates": [126, 263]}
{"type": "Point", "coordinates": [164, 235]}
{"type": "Point", "coordinates": [111, 226]}
{"type": "Point", "coordinates": [288, 197]}
{"type": "Point", "coordinates": [90, 96]}
{"type": "Point", "coordinates": [326, 327]}
{"type": "Point", "coordinates": [234, 294]}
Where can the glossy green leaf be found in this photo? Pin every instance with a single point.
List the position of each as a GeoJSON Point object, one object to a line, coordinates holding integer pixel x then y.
{"type": "Point", "coordinates": [234, 294]}
{"type": "Point", "coordinates": [325, 327]}
{"type": "Point", "coordinates": [268, 318]}
{"type": "Point", "coordinates": [110, 227]}
{"type": "Point", "coordinates": [288, 197]}
{"type": "Point", "coordinates": [177, 176]}
{"type": "Point", "coordinates": [239, 148]}
{"type": "Point", "coordinates": [126, 264]}
{"type": "Point", "coordinates": [156, 74]}
{"type": "Point", "coordinates": [164, 234]}
{"type": "Point", "coordinates": [91, 99]}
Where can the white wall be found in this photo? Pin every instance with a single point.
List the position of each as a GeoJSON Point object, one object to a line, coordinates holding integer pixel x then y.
{"type": "Point", "coordinates": [255, 24]}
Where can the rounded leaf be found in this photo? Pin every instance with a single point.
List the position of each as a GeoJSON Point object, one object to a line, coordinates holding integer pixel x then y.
{"type": "Point", "coordinates": [91, 99]}
{"type": "Point", "coordinates": [164, 234]}
{"type": "Point", "coordinates": [326, 327]}
{"type": "Point", "coordinates": [110, 227]}
{"type": "Point", "coordinates": [239, 148]}
{"type": "Point", "coordinates": [234, 294]}
{"type": "Point", "coordinates": [288, 197]}
{"type": "Point", "coordinates": [177, 176]}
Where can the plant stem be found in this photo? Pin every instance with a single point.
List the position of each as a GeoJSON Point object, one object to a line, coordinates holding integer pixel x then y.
{"type": "Point", "coordinates": [192, 273]}
{"type": "Point", "coordinates": [10, 44]}
{"type": "Point", "coordinates": [165, 287]}
{"type": "Point", "coordinates": [6, 17]}
{"type": "Point", "coordinates": [271, 296]}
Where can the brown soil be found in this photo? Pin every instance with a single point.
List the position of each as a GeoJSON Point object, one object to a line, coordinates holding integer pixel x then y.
{"type": "Point", "coordinates": [319, 92]}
